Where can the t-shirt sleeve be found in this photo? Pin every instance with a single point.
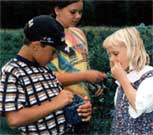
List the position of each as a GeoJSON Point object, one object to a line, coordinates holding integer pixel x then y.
{"type": "Point", "coordinates": [12, 94]}
{"type": "Point", "coordinates": [81, 34]}
{"type": "Point", "coordinates": [52, 66]}
{"type": "Point", "coordinates": [144, 99]}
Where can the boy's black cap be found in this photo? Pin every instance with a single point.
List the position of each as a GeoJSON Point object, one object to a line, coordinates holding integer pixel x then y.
{"type": "Point", "coordinates": [48, 31]}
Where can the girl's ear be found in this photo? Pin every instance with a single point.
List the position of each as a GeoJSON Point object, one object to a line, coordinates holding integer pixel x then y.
{"type": "Point", "coordinates": [57, 9]}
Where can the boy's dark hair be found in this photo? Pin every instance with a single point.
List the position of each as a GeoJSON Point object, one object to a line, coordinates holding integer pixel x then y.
{"type": "Point", "coordinates": [26, 41]}
{"type": "Point", "coordinates": [61, 4]}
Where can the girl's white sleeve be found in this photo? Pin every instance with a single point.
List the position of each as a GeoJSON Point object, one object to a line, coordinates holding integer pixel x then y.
{"type": "Point", "coordinates": [115, 97]}
{"type": "Point", "coordinates": [144, 99]}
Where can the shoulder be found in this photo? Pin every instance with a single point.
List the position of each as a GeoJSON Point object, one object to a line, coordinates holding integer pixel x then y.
{"type": "Point", "coordinates": [11, 67]}
{"type": "Point", "coordinates": [78, 31]}
{"type": "Point", "coordinates": [147, 72]}
{"type": "Point", "coordinates": [136, 75]}
{"type": "Point", "coordinates": [146, 76]}
{"type": "Point", "coordinates": [147, 68]}
{"type": "Point", "coordinates": [145, 86]}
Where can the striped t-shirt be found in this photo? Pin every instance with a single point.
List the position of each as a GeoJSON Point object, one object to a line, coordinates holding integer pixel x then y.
{"type": "Point", "coordinates": [25, 84]}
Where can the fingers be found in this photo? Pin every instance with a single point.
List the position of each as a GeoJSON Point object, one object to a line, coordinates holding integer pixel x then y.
{"type": "Point", "coordinates": [99, 92]}
{"type": "Point", "coordinates": [94, 76]}
{"type": "Point", "coordinates": [116, 64]}
{"type": "Point", "coordinates": [85, 108]}
{"type": "Point", "coordinates": [86, 98]}
{"type": "Point", "coordinates": [98, 76]}
{"type": "Point", "coordinates": [103, 75]}
{"type": "Point", "coordinates": [85, 114]}
{"type": "Point", "coordinates": [66, 96]}
{"type": "Point", "coordinates": [86, 119]}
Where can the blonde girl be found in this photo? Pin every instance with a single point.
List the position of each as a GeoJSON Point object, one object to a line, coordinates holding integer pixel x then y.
{"type": "Point", "coordinates": [134, 77]}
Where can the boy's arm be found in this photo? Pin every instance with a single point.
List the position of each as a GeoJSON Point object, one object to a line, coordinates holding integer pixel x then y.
{"type": "Point", "coordinates": [26, 116]}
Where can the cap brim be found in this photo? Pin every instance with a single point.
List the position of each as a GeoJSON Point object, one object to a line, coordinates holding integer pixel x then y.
{"type": "Point", "coordinates": [65, 48]}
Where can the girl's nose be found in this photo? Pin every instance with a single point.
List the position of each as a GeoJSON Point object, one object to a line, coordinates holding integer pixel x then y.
{"type": "Point", "coordinates": [78, 15]}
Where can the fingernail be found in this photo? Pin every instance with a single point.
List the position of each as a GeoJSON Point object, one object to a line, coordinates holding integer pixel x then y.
{"type": "Point", "coordinates": [83, 120]}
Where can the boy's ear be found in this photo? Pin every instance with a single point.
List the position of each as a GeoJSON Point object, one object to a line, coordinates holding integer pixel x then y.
{"type": "Point", "coordinates": [35, 45]}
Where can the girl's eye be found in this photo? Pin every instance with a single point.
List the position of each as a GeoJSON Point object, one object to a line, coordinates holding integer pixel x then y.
{"type": "Point", "coordinates": [115, 54]}
{"type": "Point", "coordinates": [74, 12]}
{"type": "Point", "coordinates": [112, 54]}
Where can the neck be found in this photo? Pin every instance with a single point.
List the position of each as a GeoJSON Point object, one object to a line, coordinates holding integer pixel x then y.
{"type": "Point", "coordinates": [60, 21]}
{"type": "Point", "coordinates": [26, 53]}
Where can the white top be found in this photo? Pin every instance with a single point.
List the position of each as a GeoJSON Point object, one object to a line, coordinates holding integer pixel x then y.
{"type": "Point", "coordinates": [144, 94]}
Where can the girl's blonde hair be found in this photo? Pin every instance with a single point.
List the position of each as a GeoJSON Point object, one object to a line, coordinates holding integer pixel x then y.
{"type": "Point", "coordinates": [130, 37]}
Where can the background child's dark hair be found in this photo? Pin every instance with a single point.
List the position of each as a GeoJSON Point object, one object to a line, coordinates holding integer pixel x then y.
{"type": "Point", "coordinates": [60, 4]}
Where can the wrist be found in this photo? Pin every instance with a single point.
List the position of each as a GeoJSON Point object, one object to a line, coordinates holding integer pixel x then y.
{"type": "Point", "coordinates": [84, 76]}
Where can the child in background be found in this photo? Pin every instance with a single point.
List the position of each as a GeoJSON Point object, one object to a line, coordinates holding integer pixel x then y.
{"type": "Point", "coordinates": [70, 65]}
{"type": "Point", "coordinates": [134, 96]}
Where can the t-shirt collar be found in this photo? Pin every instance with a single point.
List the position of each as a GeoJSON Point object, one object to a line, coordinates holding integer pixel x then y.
{"type": "Point", "coordinates": [35, 64]}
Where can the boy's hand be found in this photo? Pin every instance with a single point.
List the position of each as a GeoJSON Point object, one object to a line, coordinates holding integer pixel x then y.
{"type": "Point", "coordinates": [64, 98]}
{"type": "Point", "coordinates": [85, 110]}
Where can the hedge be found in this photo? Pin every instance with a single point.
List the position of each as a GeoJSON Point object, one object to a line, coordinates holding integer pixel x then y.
{"type": "Point", "coordinates": [11, 41]}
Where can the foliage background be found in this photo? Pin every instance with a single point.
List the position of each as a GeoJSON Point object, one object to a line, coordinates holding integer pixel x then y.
{"type": "Point", "coordinates": [11, 41]}
{"type": "Point", "coordinates": [14, 13]}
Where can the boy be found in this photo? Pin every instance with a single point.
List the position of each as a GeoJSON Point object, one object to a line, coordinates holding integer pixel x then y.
{"type": "Point", "coordinates": [31, 98]}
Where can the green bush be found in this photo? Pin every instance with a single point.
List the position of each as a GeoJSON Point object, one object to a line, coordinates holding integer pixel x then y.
{"type": "Point", "coordinates": [11, 41]}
